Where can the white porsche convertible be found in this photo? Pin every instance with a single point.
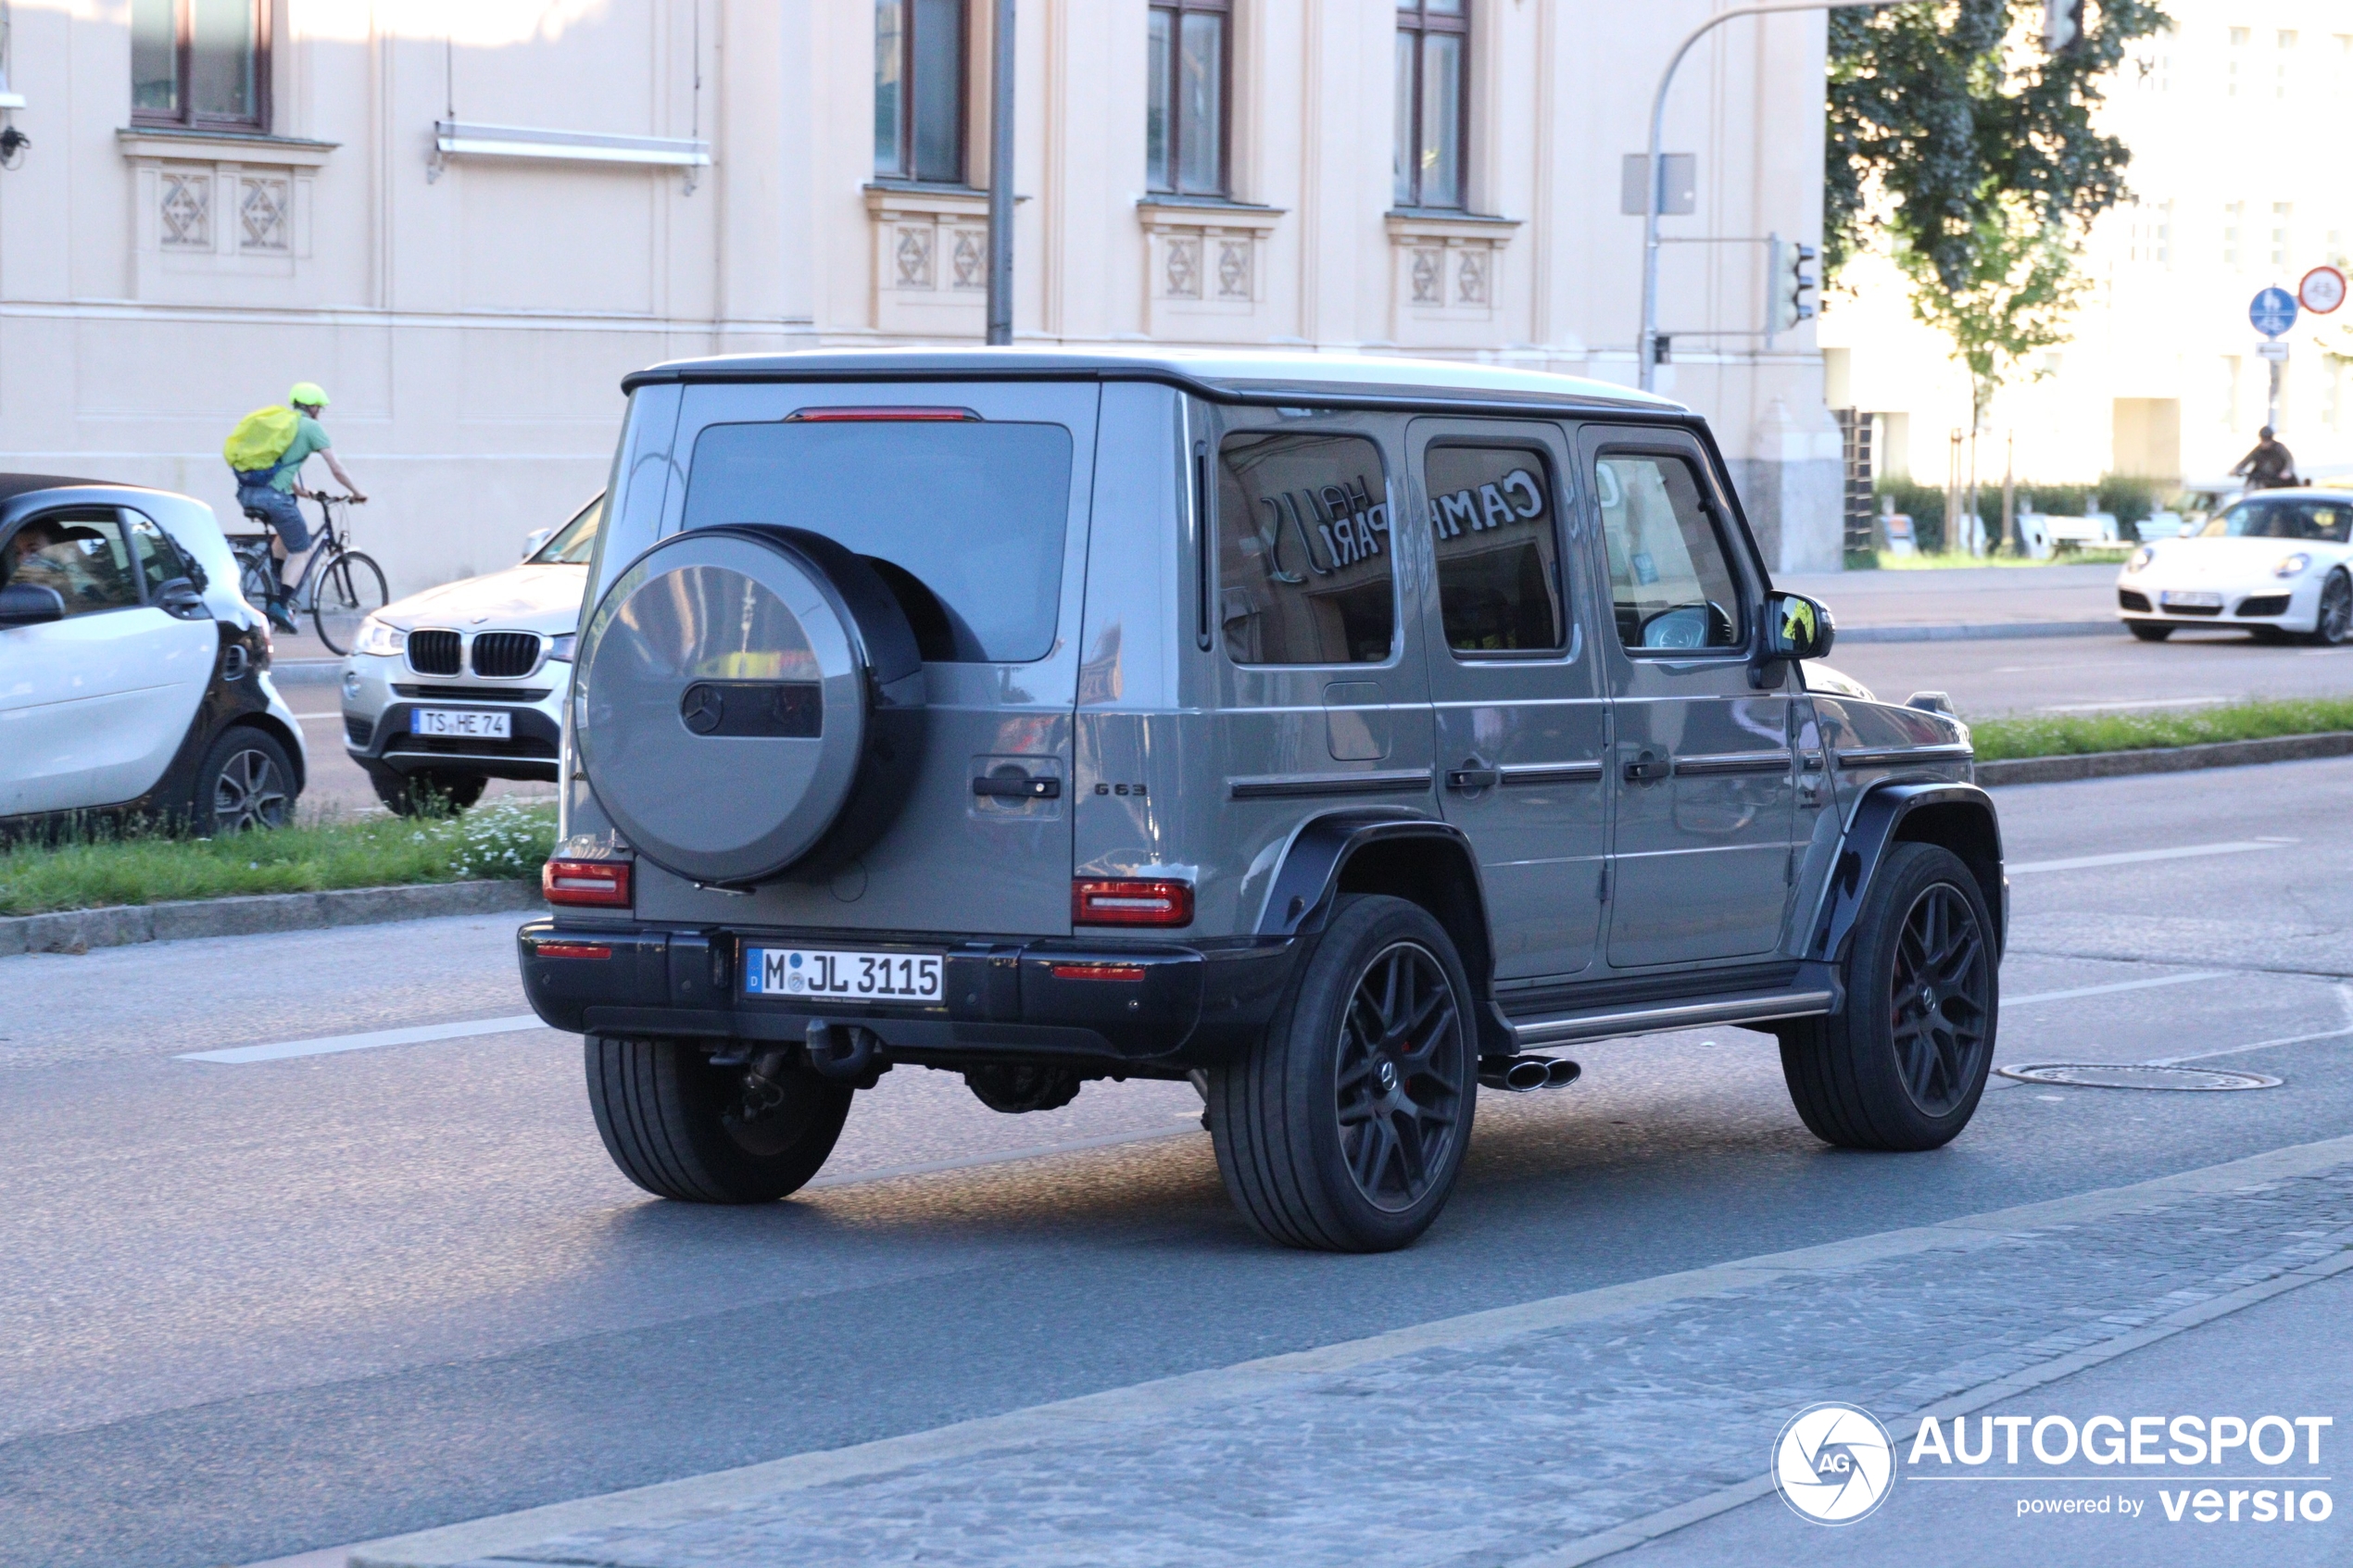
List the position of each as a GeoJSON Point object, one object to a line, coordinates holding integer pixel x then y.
{"type": "Point", "coordinates": [2275, 563]}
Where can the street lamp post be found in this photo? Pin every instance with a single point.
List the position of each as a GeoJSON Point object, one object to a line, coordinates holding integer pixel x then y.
{"type": "Point", "coordinates": [1000, 175]}
{"type": "Point", "coordinates": [1647, 345]}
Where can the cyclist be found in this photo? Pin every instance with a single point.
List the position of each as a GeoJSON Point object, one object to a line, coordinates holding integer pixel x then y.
{"type": "Point", "coordinates": [266, 452]}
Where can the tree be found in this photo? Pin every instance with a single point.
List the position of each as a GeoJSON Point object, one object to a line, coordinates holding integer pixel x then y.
{"type": "Point", "coordinates": [1966, 145]}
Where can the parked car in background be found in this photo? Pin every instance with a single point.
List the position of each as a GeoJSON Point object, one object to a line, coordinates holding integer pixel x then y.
{"type": "Point", "coordinates": [450, 688]}
{"type": "Point", "coordinates": [134, 678]}
{"type": "Point", "coordinates": [2275, 563]}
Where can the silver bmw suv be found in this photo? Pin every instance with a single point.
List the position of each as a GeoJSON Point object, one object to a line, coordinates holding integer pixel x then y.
{"type": "Point", "coordinates": [1345, 734]}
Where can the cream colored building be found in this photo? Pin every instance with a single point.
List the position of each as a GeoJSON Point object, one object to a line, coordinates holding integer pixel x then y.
{"type": "Point", "coordinates": [468, 221]}
{"type": "Point", "coordinates": [2236, 122]}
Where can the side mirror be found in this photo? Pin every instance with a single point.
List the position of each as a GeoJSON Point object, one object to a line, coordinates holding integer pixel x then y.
{"type": "Point", "coordinates": [181, 597]}
{"type": "Point", "coordinates": [1797, 627]}
{"type": "Point", "coordinates": [29, 604]}
{"type": "Point", "coordinates": [532, 540]}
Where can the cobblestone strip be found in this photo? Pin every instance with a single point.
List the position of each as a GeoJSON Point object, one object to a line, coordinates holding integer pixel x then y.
{"type": "Point", "coordinates": [1586, 1424]}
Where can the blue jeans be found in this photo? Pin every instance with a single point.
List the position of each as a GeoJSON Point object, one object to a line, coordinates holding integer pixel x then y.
{"type": "Point", "coordinates": [279, 509]}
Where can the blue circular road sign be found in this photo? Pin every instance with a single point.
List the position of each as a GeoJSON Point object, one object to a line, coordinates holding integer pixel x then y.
{"type": "Point", "coordinates": [2272, 312]}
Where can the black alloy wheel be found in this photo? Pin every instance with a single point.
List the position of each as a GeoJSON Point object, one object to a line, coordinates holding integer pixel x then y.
{"type": "Point", "coordinates": [245, 782]}
{"type": "Point", "coordinates": [2333, 627]}
{"type": "Point", "coordinates": [1939, 998]}
{"type": "Point", "coordinates": [1903, 1064]}
{"type": "Point", "coordinates": [1399, 1078]}
{"type": "Point", "coordinates": [1344, 1126]}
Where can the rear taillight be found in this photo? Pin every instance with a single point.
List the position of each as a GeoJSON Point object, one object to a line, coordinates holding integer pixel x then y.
{"type": "Point", "coordinates": [1130, 901]}
{"type": "Point", "coordinates": [602, 884]}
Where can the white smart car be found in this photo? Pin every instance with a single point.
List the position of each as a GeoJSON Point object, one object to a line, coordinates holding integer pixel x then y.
{"type": "Point", "coordinates": [2274, 563]}
{"type": "Point", "coordinates": [450, 688]}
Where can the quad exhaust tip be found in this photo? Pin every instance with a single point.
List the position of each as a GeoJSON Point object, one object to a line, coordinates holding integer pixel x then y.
{"type": "Point", "coordinates": [1525, 1074]}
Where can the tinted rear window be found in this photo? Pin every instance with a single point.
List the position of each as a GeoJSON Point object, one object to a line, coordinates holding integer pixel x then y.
{"type": "Point", "coordinates": [974, 513]}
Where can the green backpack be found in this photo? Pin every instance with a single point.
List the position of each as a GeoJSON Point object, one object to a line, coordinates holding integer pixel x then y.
{"type": "Point", "coordinates": [260, 439]}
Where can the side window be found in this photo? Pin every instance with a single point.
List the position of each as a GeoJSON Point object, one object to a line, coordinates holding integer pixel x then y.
{"type": "Point", "coordinates": [1493, 523]}
{"type": "Point", "coordinates": [83, 557]}
{"type": "Point", "coordinates": [1670, 582]}
{"type": "Point", "coordinates": [160, 559]}
{"type": "Point", "coordinates": [1303, 550]}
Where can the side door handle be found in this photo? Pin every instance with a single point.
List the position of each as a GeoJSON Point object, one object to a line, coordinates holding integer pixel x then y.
{"type": "Point", "coordinates": [1474, 777]}
{"type": "Point", "coordinates": [1649, 767]}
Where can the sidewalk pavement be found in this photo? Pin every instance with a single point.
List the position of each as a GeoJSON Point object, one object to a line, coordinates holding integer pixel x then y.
{"type": "Point", "coordinates": [1559, 1432]}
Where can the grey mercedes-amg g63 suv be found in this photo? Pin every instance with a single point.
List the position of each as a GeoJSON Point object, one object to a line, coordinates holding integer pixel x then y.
{"type": "Point", "coordinates": [1341, 734]}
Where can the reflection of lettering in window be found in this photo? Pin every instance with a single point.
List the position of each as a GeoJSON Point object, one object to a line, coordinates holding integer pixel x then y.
{"type": "Point", "coordinates": [1670, 585]}
{"type": "Point", "coordinates": [1499, 582]}
{"type": "Point", "coordinates": [1304, 559]}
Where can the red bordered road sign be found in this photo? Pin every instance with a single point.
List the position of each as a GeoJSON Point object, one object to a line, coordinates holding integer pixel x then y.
{"type": "Point", "coordinates": [2322, 291]}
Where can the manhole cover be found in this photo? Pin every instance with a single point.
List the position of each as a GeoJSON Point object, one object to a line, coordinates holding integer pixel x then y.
{"type": "Point", "coordinates": [2132, 1075]}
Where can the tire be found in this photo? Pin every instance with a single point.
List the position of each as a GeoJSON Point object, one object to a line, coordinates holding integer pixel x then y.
{"type": "Point", "coordinates": [675, 1124]}
{"type": "Point", "coordinates": [1319, 1100]}
{"type": "Point", "coordinates": [2333, 626]}
{"type": "Point", "coordinates": [428, 794]}
{"type": "Point", "coordinates": [349, 589]}
{"type": "Point", "coordinates": [2148, 631]}
{"type": "Point", "coordinates": [246, 781]}
{"type": "Point", "coordinates": [1878, 1075]}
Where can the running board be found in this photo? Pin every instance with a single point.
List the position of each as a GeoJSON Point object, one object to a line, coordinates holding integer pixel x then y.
{"type": "Point", "coordinates": [1600, 1023]}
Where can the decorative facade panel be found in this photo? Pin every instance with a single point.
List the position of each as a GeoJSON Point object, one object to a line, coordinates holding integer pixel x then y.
{"type": "Point", "coordinates": [1449, 275]}
{"type": "Point", "coordinates": [1205, 266]}
{"type": "Point", "coordinates": [931, 261]}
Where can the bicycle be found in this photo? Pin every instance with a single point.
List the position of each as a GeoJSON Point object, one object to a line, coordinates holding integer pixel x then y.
{"type": "Point", "coordinates": [339, 587]}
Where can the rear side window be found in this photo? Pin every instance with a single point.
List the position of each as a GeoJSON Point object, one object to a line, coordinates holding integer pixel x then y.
{"type": "Point", "coordinates": [1670, 580]}
{"type": "Point", "coordinates": [83, 556]}
{"type": "Point", "coordinates": [160, 559]}
{"type": "Point", "coordinates": [1492, 522]}
{"type": "Point", "coordinates": [1303, 550]}
{"type": "Point", "coordinates": [965, 519]}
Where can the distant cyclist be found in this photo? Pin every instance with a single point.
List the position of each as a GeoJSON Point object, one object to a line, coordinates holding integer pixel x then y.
{"type": "Point", "coordinates": [2269, 465]}
{"type": "Point", "coordinates": [266, 452]}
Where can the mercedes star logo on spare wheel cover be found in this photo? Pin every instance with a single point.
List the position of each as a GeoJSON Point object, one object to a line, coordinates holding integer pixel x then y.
{"type": "Point", "coordinates": [702, 706]}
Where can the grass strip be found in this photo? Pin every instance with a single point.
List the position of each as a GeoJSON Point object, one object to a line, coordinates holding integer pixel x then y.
{"type": "Point", "coordinates": [2076, 734]}
{"type": "Point", "coordinates": [509, 839]}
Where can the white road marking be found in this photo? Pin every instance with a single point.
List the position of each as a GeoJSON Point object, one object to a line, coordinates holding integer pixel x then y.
{"type": "Point", "coordinates": [2008, 1002]}
{"type": "Point", "coordinates": [330, 1043]}
{"type": "Point", "coordinates": [2135, 857]}
{"type": "Point", "coordinates": [2121, 707]}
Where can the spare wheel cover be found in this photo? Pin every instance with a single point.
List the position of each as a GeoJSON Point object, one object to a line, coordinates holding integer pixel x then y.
{"type": "Point", "coordinates": [733, 686]}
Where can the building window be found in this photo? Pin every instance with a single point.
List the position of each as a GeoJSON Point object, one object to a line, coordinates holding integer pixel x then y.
{"type": "Point", "coordinates": [200, 63]}
{"type": "Point", "coordinates": [1185, 102]}
{"type": "Point", "coordinates": [919, 90]}
{"type": "Point", "coordinates": [1433, 101]}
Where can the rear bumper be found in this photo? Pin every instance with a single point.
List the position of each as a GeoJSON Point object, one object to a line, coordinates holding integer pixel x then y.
{"type": "Point", "coordinates": [1002, 1000]}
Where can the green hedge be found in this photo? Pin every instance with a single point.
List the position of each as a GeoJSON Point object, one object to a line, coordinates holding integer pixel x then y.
{"type": "Point", "coordinates": [2074, 734]}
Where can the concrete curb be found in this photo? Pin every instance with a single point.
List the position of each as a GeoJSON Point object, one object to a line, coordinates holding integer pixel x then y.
{"type": "Point", "coordinates": [476, 1538]}
{"type": "Point", "coordinates": [78, 931]}
{"type": "Point", "coordinates": [2165, 759]}
{"type": "Point", "coordinates": [1977, 631]}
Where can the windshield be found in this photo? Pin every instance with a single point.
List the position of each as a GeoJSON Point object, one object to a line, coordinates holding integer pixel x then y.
{"type": "Point", "coordinates": [973, 511]}
{"type": "Point", "coordinates": [576, 541]}
{"type": "Point", "coordinates": [2281, 517]}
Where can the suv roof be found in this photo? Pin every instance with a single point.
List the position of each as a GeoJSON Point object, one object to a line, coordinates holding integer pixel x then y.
{"type": "Point", "coordinates": [1221, 375]}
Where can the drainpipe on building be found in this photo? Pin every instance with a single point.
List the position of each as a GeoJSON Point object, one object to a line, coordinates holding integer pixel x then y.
{"type": "Point", "coordinates": [1000, 176]}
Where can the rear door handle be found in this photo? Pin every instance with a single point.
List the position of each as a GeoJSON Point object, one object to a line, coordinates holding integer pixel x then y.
{"type": "Point", "coordinates": [1474, 777]}
{"type": "Point", "coordinates": [1018, 788]}
{"type": "Point", "coordinates": [1649, 767]}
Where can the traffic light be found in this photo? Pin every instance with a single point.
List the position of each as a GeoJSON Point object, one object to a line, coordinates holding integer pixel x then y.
{"type": "Point", "coordinates": [2062, 25]}
{"type": "Point", "coordinates": [1788, 285]}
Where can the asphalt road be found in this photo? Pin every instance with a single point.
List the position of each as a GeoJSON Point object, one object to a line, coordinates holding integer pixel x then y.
{"type": "Point", "coordinates": [2045, 675]}
{"type": "Point", "coordinates": [273, 1306]}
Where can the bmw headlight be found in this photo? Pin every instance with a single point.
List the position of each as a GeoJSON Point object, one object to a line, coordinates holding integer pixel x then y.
{"type": "Point", "coordinates": [561, 647]}
{"type": "Point", "coordinates": [378, 636]}
{"type": "Point", "coordinates": [2292, 566]}
{"type": "Point", "coordinates": [2141, 557]}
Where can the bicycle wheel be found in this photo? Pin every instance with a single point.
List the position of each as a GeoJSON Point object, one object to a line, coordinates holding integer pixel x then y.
{"type": "Point", "coordinates": [349, 589]}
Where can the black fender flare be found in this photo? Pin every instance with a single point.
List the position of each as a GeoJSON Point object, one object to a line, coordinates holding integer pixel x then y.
{"type": "Point", "coordinates": [1878, 825]}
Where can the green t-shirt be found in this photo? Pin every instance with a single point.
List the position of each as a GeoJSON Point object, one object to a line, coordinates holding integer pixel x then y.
{"type": "Point", "coordinates": [309, 437]}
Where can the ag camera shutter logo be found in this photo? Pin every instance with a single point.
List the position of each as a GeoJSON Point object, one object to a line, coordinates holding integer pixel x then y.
{"type": "Point", "coordinates": [1834, 1463]}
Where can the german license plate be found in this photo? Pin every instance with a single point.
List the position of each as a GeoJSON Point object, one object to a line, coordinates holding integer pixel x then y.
{"type": "Point", "coordinates": [2191, 600]}
{"type": "Point", "coordinates": [854, 977]}
{"type": "Point", "coordinates": [465, 724]}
